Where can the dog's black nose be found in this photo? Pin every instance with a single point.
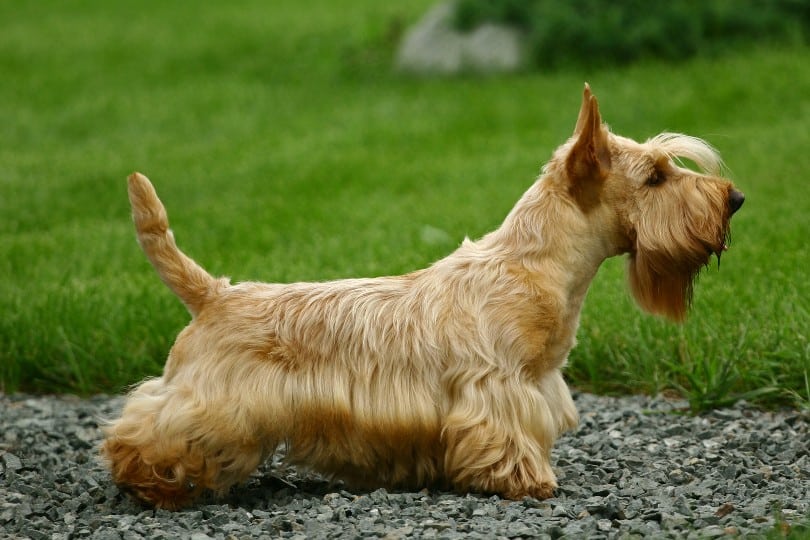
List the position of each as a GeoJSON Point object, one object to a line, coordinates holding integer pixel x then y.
{"type": "Point", "coordinates": [735, 200]}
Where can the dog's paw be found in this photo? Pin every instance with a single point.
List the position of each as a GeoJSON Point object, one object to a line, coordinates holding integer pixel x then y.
{"type": "Point", "coordinates": [543, 490]}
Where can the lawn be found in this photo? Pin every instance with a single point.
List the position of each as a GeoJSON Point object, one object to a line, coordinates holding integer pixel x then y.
{"type": "Point", "coordinates": [286, 150]}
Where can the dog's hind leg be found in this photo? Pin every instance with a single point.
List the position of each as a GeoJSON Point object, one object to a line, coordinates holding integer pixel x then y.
{"type": "Point", "coordinates": [167, 446]}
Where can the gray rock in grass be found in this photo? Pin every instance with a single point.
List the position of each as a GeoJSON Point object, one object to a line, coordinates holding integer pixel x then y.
{"type": "Point", "coordinates": [434, 47]}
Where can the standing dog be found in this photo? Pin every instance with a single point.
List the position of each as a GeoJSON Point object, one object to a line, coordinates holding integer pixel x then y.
{"type": "Point", "coordinates": [447, 376]}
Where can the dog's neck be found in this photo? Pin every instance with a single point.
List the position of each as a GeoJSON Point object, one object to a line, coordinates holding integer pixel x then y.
{"type": "Point", "coordinates": [542, 236]}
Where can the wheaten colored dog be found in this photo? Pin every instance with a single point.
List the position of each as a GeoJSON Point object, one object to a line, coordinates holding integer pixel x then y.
{"type": "Point", "coordinates": [448, 376]}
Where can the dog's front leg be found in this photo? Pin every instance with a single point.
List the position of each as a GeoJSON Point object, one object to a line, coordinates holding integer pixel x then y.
{"type": "Point", "coordinates": [558, 397]}
{"type": "Point", "coordinates": [498, 436]}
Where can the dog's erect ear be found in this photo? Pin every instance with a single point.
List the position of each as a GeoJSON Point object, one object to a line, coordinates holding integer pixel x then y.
{"type": "Point", "coordinates": [584, 109]}
{"type": "Point", "coordinates": [589, 158]}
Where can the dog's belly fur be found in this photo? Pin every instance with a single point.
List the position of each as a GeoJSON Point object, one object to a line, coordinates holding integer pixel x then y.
{"type": "Point", "coordinates": [401, 451]}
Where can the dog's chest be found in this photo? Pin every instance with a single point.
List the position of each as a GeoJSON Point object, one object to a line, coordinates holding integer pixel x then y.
{"type": "Point", "coordinates": [547, 338]}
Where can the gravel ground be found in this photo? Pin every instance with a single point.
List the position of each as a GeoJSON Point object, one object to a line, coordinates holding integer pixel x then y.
{"type": "Point", "coordinates": [634, 468]}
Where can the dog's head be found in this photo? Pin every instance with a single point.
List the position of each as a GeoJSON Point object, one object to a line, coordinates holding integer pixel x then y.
{"type": "Point", "coordinates": [669, 219]}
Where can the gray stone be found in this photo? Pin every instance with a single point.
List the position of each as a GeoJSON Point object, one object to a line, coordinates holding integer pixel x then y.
{"type": "Point", "coordinates": [434, 47]}
{"type": "Point", "coordinates": [12, 462]}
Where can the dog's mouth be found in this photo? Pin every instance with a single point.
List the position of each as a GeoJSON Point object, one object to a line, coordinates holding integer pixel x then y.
{"type": "Point", "coordinates": [719, 248]}
{"type": "Point", "coordinates": [718, 252]}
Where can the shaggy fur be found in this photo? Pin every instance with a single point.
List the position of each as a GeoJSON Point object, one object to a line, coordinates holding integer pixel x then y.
{"type": "Point", "coordinates": [448, 376]}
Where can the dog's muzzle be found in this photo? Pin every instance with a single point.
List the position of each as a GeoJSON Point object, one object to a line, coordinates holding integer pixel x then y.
{"type": "Point", "coordinates": [735, 200]}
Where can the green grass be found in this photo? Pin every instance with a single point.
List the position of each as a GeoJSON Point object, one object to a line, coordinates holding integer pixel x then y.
{"type": "Point", "coordinates": [285, 150]}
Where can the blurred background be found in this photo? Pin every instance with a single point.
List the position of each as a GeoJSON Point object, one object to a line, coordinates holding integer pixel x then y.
{"type": "Point", "coordinates": [293, 141]}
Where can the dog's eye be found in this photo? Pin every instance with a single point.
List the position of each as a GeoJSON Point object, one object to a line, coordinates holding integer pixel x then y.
{"type": "Point", "coordinates": [656, 178]}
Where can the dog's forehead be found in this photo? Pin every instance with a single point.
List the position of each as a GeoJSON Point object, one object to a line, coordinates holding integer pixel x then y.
{"type": "Point", "coordinates": [633, 149]}
{"type": "Point", "coordinates": [634, 157]}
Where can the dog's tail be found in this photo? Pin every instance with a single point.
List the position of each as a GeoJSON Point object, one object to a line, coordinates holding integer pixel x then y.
{"type": "Point", "coordinates": [189, 281]}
